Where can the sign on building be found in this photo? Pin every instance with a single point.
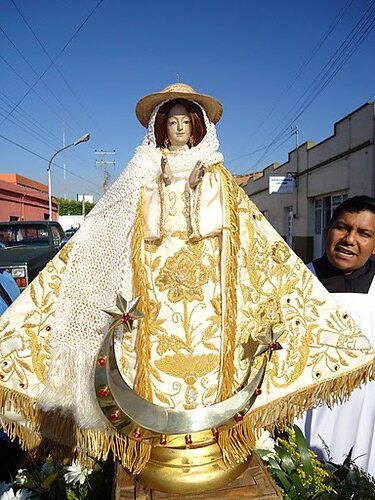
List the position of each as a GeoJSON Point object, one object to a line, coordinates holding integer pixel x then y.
{"type": "Point", "coordinates": [280, 184]}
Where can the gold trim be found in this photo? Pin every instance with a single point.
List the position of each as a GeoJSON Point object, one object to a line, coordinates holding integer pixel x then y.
{"type": "Point", "coordinates": [230, 250]}
{"type": "Point", "coordinates": [143, 346]}
{"type": "Point", "coordinates": [57, 434]}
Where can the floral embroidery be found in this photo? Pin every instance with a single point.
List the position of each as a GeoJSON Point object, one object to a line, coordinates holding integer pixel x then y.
{"type": "Point", "coordinates": [280, 252]}
{"type": "Point", "coordinates": [183, 276]}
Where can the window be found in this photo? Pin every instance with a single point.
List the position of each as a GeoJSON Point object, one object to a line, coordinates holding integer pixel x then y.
{"type": "Point", "coordinates": [318, 216]}
{"type": "Point", "coordinates": [323, 210]}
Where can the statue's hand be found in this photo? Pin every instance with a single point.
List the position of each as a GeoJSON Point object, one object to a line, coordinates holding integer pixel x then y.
{"type": "Point", "coordinates": [197, 174]}
{"type": "Point", "coordinates": [166, 171]}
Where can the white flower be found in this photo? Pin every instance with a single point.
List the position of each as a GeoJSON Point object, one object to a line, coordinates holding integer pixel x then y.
{"type": "Point", "coordinates": [21, 477]}
{"type": "Point", "coordinates": [75, 473]}
{"type": "Point", "coordinates": [22, 494]}
{"type": "Point", "coordinates": [265, 442]}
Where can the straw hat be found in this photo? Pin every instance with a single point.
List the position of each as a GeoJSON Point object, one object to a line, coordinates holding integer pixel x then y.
{"type": "Point", "coordinates": [147, 104]}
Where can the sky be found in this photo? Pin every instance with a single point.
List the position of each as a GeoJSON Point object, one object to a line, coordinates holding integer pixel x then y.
{"type": "Point", "coordinates": [68, 68]}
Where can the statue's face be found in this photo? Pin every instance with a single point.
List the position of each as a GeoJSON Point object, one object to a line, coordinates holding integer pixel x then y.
{"type": "Point", "coordinates": [178, 126]}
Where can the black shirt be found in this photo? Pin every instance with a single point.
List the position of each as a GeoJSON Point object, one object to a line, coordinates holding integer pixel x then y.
{"type": "Point", "coordinates": [334, 280]}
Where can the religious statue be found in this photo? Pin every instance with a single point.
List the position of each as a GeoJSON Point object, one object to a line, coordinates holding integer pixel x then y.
{"type": "Point", "coordinates": [176, 324]}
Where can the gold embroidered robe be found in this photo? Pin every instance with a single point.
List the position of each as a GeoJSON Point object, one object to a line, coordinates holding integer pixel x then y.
{"type": "Point", "coordinates": [210, 299]}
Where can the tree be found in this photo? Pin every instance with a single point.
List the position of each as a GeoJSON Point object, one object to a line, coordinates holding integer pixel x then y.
{"type": "Point", "coordinates": [73, 207]}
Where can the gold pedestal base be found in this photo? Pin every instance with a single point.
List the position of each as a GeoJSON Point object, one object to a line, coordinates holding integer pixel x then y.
{"type": "Point", "coordinates": [184, 471]}
{"type": "Point", "coordinates": [254, 484]}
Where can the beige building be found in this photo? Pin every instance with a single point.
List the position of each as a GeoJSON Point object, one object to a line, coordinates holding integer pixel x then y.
{"type": "Point", "coordinates": [323, 175]}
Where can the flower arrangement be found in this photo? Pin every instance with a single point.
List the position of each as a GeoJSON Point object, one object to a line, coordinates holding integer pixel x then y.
{"type": "Point", "coordinates": [299, 474]}
{"type": "Point", "coordinates": [55, 481]}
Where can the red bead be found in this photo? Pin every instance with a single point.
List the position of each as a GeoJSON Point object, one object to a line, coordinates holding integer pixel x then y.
{"type": "Point", "coordinates": [238, 417]}
{"type": "Point", "coordinates": [258, 391]}
{"type": "Point", "coordinates": [215, 433]}
{"type": "Point", "coordinates": [137, 434]}
{"type": "Point", "coordinates": [115, 416]}
{"type": "Point", "coordinates": [275, 346]}
{"type": "Point", "coordinates": [102, 360]}
{"type": "Point", "coordinates": [125, 318]}
{"type": "Point", "coordinates": [163, 440]}
{"type": "Point", "coordinates": [103, 392]}
{"type": "Point", "coordinates": [188, 440]}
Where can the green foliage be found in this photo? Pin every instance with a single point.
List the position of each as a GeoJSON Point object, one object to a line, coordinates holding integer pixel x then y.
{"type": "Point", "coordinates": [352, 482]}
{"type": "Point", "coordinates": [297, 471]}
{"type": "Point", "coordinates": [73, 207]}
{"type": "Point", "coordinates": [299, 474]}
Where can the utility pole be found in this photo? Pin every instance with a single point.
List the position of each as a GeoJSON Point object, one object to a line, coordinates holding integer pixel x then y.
{"type": "Point", "coordinates": [104, 163]}
{"type": "Point", "coordinates": [63, 145]}
{"type": "Point", "coordinates": [295, 131]}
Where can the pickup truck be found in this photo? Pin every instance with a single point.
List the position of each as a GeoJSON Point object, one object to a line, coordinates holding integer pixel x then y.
{"type": "Point", "coordinates": [27, 246]}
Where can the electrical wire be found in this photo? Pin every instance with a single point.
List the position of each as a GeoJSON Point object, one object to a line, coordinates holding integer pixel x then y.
{"type": "Point", "coordinates": [43, 158]}
{"type": "Point", "coordinates": [329, 70]}
{"type": "Point", "coordinates": [342, 54]}
{"type": "Point", "coordinates": [246, 155]}
{"type": "Point", "coordinates": [304, 65]}
{"type": "Point", "coordinates": [43, 47]}
{"type": "Point", "coordinates": [26, 117]}
{"type": "Point", "coordinates": [36, 74]}
{"type": "Point", "coordinates": [54, 60]}
{"type": "Point", "coordinates": [26, 128]}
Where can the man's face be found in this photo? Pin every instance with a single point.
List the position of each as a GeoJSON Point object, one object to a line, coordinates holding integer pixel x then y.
{"type": "Point", "coordinates": [351, 240]}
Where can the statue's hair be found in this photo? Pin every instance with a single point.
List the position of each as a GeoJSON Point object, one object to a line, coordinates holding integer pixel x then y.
{"type": "Point", "coordinates": [198, 127]}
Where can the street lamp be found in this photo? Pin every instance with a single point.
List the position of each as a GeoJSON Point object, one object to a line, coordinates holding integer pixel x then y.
{"type": "Point", "coordinates": [84, 138]}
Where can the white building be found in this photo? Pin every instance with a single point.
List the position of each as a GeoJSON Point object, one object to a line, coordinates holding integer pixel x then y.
{"type": "Point", "coordinates": [326, 173]}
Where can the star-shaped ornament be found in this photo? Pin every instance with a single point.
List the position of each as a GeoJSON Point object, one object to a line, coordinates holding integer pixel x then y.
{"type": "Point", "coordinates": [269, 342]}
{"type": "Point", "coordinates": [124, 313]}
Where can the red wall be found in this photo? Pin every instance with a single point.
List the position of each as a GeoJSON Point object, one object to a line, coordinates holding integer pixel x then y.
{"type": "Point", "coordinates": [24, 203]}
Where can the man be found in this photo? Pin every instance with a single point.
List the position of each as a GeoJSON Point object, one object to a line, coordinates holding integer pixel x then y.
{"type": "Point", "coordinates": [347, 270]}
{"type": "Point", "coordinates": [346, 265]}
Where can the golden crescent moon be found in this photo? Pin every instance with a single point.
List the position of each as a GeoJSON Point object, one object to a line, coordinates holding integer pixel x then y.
{"type": "Point", "coordinates": [125, 409]}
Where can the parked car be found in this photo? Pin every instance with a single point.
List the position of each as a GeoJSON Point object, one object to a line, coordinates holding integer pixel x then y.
{"type": "Point", "coordinates": [70, 232]}
{"type": "Point", "coordinates": [27, 246]}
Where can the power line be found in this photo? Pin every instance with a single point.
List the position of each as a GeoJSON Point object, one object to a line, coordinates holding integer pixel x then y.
{"type": "Point", "coordinates": [19, 109]}
{"type": "Point", "coordinates": [26, 117]}
{"type": "Point", "coordinates": [45, 159]}
{"type": "Point", "coordinates": [16, 106]}
{"type": "Point", "coordinates": [54, 60]}
{"type": "Point", "coordinates": [304, 65]}
{"type": "Point", "coordinates": [36, 74]}
{"type": "Point", "coordinates": [42, 45]}
{"type": "Point", "coordinates": [262, 148]}
{"type": "Point", "coordinates": [342, 54]}
{"type": "Point", "coordinates": [26, 128]}
{"type": "Point", "coordinates": [278, 146]}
